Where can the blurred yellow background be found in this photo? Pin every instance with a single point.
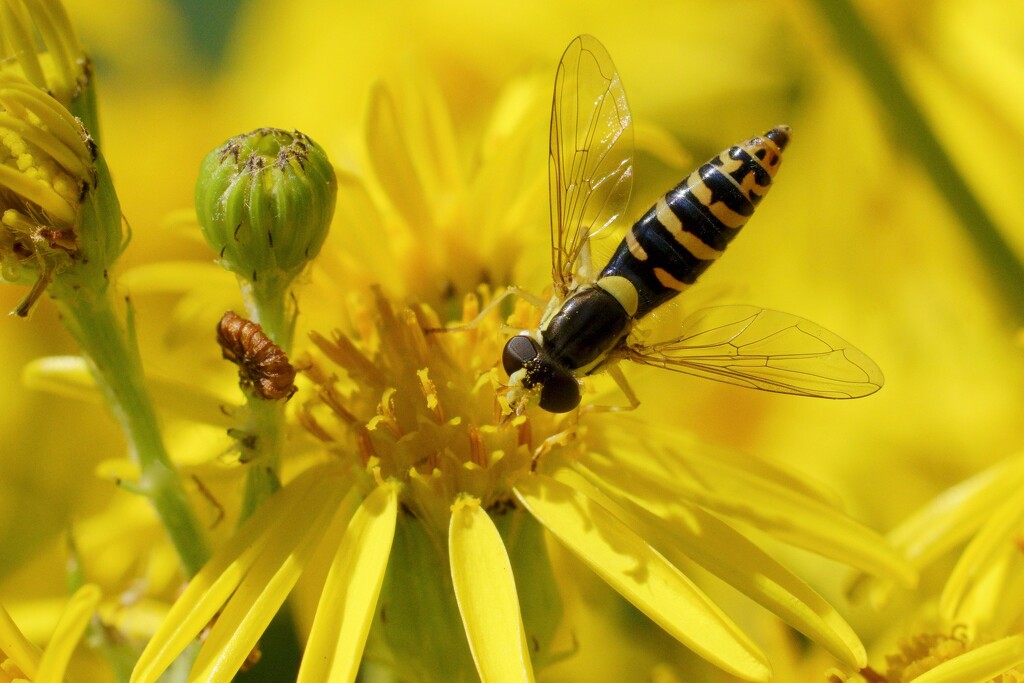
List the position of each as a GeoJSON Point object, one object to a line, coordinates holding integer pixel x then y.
{"type": "Point", "coordinates": [855, 237]}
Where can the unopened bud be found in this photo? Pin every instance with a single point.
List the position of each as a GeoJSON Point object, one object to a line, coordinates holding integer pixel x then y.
{"type": "Point", "coordinates": [265, 201]}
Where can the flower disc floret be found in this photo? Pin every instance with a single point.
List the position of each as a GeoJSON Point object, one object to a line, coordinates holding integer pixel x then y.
{"type": "Point", "coordinates": [425, 408]}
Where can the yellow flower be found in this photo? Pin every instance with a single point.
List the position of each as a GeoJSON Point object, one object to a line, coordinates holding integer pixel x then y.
{"type": "Point", "coordinates": [431, 502]}
{"type": "Point", "coordinates": [981, 600]}
{"type": "Point", "coordinates": [952, 658]}
{"type": "Point", "coordinates": [853, 217]}
{"type": "Point", "coordinates": [20, 660]}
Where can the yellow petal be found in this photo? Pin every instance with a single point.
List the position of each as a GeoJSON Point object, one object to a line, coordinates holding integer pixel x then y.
{"type": "Point", "coordinates": [349, 599]}
{"type": "Point", "coordinates": [16, 647]}
{"type": "Point", "coordinates": [988, 548]}
{"type": "Point", "coordinates": [665, 451]}
{"type": "Point", "coordinates": [266, 585]}
{"type": "Point", "coordinates": [210, 589]}
{"type": "Point", "coordinates": [692, 533]}
{"type": "Point", "coordinates": [429, 129]}
{"type": "Point", "coordinates": [979, 665]}
{"type": "Point", "coordinates": [69, 376]}
{"type": "Point", "coordinates": [190, 401]}
{"type": "Point", "coordinates": [486, 592]}
{"type": "Point", "coordinates": [767, 504]}
{"type": "Point", "coordinates": [661, 144]}
{"type": "Point", "coordinates": [67, 634]}
{"type": "Point", "coordinates": [945, 522]}
{"type": "Point", "coordinates": [176, 276]}
{"type": "Point", "coordinates": [958, 512]}
{"type": "Point", "coordinates": [358, 230]}
{"type": "Point", "coordinates": [642, 575]}
{"type": "Point", "coordinates": [390, 156]}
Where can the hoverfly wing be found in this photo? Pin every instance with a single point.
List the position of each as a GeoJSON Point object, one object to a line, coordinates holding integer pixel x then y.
{"type": "Point", "coordinates": [767, 350]}
{"type": "Point", "coordinates": [591, 154]}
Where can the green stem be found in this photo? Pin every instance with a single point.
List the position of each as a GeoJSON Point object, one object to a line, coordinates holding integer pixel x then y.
{"type": "Point", "coordinates": [865, 50]}
{"type": "Point", "coordinates": [84, 105]}
{"type": "Point", "coordinates": [268, 305]}
{"type": "Point", "coordinates": [108, 342]}
{"type": "Point", "coordinates": [266, 425]}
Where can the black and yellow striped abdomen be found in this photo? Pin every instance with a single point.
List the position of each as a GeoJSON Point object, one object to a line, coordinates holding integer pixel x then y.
{"type": "Point", "coordinates": [688, 228]}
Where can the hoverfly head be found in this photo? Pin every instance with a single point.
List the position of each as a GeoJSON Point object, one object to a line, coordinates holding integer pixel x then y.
{"type": "Point", "coordinates": [533, 373]}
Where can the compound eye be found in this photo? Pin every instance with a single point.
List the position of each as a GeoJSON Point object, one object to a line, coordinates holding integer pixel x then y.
{"type": "Point", "coordinates": [518, 350]}
{"type": "Point", "coordinates": [560, 393]}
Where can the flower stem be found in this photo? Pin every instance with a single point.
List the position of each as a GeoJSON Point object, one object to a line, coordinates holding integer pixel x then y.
{"type": "Point", "coordinates": [108, 341]}
{"type": "Point", "coordinates": [866, 51]}
{"type": "Point", "coordinates": [266, 423]}
{"type": "Point", "coordinates": [267, 303]}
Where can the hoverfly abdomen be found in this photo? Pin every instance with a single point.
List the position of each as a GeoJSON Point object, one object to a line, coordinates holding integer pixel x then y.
{"type": "Point", "coordinates": [690, 226]}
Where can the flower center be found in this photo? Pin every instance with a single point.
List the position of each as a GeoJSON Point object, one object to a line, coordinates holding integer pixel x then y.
{"type": "Point", "coordinates": [924, 651]}
{"type": "Point", "coordinates": [427, 408]}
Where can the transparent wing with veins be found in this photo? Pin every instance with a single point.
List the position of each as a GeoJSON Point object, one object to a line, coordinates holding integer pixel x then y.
{"type": "Point", "coordinates": [591, 154]}
{"type": "Point", "coordinates": [767, 350]}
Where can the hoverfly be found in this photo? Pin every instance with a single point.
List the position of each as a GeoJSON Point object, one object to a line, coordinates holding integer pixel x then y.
{"type": "Point", "coordinates": [586, 326]}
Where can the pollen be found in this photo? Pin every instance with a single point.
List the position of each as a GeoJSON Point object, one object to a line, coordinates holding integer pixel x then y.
{"type": "Point", "coordinates": [426, 408]}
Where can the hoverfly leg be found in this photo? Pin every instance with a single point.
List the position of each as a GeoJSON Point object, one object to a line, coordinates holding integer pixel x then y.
{"type": "Point", "coordinates": [620, 380]}
{"type": "Point", "coordinates": [561, 438]}
{"type": "Point", "coordinates": [585, 265]}
{"type": "Point", "coordinates": [26, 304]}
{"type": "Point", "coordinates": [511, 290]}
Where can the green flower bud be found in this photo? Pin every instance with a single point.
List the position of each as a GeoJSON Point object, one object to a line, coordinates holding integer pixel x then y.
{"type": "Point", "coordinates": [59, 216]}
{"type": "Point", "coordinates": [265, 201]}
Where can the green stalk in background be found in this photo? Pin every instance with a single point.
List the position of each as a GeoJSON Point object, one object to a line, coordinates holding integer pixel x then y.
{"type": "Point", "coordinates": [866, 51]}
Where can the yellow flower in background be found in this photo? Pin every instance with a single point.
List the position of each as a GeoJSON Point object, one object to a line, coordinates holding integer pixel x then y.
{"type": "Point", "coordinates": [971, 629]}
{"type": "Point", "coordinates": [941, 658]}
{"type": "Point", "coordinates": [857, 238]}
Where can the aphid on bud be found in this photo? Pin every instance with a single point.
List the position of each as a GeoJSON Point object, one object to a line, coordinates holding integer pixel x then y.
{"type": "Point", "coordinates": [263, 366]}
